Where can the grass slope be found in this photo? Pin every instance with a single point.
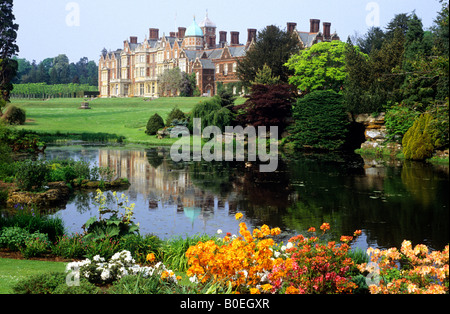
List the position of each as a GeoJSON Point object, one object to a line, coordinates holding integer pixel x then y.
{"type": "Point", "coordinates": [127, 117]}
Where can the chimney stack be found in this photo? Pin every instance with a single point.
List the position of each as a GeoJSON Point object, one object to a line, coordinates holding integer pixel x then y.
{"type": "Point", "coordinates": [291, 27]}
{"type": "Point", "coordinates": [327, 30]}
{"type": "Point", "coordinates": [234, 38]}
{"type": "Point", "coordinates": [172, 34]}
{"type": "Point", "coordinates": [133, 40]}
{"type": "Point", "coordinates": [154, 34]}
{"type": "Point", "coordinates": [222, 38]}
{"type": "Point", "coordinates": [315, 26]}
{"type": "Point", "coordinates": [251, 35]}
{"type": "Point", "coordinates": [181, 32]}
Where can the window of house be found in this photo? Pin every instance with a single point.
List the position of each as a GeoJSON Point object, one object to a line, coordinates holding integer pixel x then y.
{"type": "Point", "coordinates": [235, 67]}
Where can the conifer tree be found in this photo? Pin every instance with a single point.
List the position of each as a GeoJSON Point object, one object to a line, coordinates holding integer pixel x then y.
{"type": "Point", "coordinates": [8, 49]}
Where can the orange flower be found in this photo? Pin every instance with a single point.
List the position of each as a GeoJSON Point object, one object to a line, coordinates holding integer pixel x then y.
{"type": "Point", "coordinates": [151, 257]}
{"type": "Point", "coordinates": [325, 226]}
{"type": "Point", "coordinates": [357, 233]}
{"type": "Point", "coordinates": [292, 290]}
{"type": "Point", "coordinates": [312, 229]}
{"type": "Point", "coordinates": [238, 216]}
{"type": "Point", "coordinates": [346, 238]}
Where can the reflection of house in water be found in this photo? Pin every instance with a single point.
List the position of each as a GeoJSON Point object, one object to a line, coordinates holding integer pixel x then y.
{"type": "Point", "coordinates": [161, 182]}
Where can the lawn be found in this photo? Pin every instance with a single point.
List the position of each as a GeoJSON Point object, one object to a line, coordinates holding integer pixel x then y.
{"type": "Point", "coordinates": [11, 271]}
{"type": "Point", "coordinates": [121, 116]}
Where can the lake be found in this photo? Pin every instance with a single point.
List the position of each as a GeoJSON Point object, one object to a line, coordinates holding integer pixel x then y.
{"type": "Point", "coordinates": [389, 201]}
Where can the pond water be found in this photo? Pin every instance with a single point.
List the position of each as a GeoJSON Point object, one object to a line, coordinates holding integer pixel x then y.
{"type": "Point", "coordinates": [389, 202]}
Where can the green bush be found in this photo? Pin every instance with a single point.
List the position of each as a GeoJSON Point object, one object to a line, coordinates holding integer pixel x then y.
{"type": "Point", "coordinates": [418, 142]}
{"type": "Point", "coordinates": [320, 121]}
{"type": "Point", "coordinates": [36, 245]}
{"type": "Point", "coordinates": [53, 283]}
{"type": "Point", "coordinates": [14, 115]}
{"type": "Point", "coordinates": [155, 123]}
{"type": "Point", "coordinates": [138, 284]}
{"type": "Point", "coordinates": [70, 247]}
{"type": "Point", "coordinates": [139, 246]}
{"type": "Point", "coordinates": [398, 121]}
{"type": "Point", "coordinates": [32, 175]}
{"type": "Point", "coordinates": [13, 238]}
{"type": "Point", "coordinates": [175, 115]}
{"type": "Point", "coordinates": [33, 222]}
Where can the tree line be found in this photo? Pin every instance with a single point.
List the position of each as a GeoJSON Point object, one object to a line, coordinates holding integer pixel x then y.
{"type": "Point", "coordinates": [57, 70]}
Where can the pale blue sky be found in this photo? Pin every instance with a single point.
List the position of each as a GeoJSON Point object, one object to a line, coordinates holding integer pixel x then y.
{"type": "Point", "coordinates": [51, 27]}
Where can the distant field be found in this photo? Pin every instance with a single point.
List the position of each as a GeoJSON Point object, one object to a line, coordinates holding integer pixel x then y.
{"type": "Point", "coordinates": [127, 117]}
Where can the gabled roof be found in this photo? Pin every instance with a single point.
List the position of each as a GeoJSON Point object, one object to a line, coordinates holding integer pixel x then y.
{"type": "Point", "coordinates": [307, 39]}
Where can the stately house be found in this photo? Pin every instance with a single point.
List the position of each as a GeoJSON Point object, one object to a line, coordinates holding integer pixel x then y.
{"type": "Point", "coordinates": [134, 70]}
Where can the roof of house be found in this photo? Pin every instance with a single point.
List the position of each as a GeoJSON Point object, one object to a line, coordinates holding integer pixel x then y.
{"type": "Point", "coordinates": [194, 30]}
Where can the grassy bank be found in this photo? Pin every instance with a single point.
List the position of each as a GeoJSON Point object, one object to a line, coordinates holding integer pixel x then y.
{"type": "Point", "coordinates": [122, 117]}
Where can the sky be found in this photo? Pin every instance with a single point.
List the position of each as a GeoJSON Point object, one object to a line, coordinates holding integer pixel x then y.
{"type": "Point", "coordinates": [82, 28]}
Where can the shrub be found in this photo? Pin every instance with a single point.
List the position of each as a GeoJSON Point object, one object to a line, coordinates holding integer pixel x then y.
{"type": "Point", "coordinates": [36, 245]}
{"type": "Point", "coordinates": [312, 267]}
{"type": "Point", "coordinates": [53, 283]}
{"type": "Point", "coordinates": [320, 121]}
{"type": "Point", "coordinates": [14, 115]}
{"type": "Point", "coordinates": [32, 175]}
{"type": "Point", "coordinates": [40, 284]}
{"type": "Point", "coordinates": [140, 246]}
{"type": "Point", "coordinates": [398, 121]}
{"type": "Point", "coordinates": [102, 271]}
{"type": "Point", "coordinates": [70, 247]}
{"type": "Point", "coordinates": [13, 238]}
{"type": "Point", "coordinates": [175, 115]}
{"type": "Point", "coordinates": [33, 222]}
{"type": "Point", "coordinates": [155, 123]}
{"type": "Point", "coordinates": [418, 142]}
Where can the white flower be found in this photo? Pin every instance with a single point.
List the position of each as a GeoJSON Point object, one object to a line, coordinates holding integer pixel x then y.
{"type": "Point", "coordinates": [105, 274]}
{"type": "Point", "coordinates": [289, 245]}
{"type": "Point", "coordinates": [219, 231]}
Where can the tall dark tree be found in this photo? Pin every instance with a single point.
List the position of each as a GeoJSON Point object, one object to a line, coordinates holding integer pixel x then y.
{"type": "Point", "coordinates": [371, 41]}
{"type": "Point", "coordinates": [8, 49]}
{"type": "Point", "coordinates": [272, 47]}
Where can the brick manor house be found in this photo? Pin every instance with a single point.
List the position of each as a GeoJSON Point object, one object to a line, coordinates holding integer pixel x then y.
{"type": "Point", "coordinates": [133, 71]}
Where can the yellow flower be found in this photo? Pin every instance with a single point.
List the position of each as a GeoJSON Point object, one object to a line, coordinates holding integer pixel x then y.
{"type": "Point", "coordinates": [266, 287]}
{"type": "Point", "coordinates": [254, 291]}
{"type": "Point", "coordinates": [238, 216]}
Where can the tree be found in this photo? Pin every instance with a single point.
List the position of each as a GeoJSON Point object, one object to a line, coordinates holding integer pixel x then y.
{"type": "Point", "coordinates": [265, 76]}
{"type": "Point", "coordinates": [273, 47]}
{"type": "Point", "coordinates": [267, 105]}
{"type": "Point", "coordinates": [169, 82]}
{"type": "Point", "coordinates": [8, 49]}
{"type": "Point", "coordinates": [320, 67]}
{"type": "Point", "coordinates": [371, 41]}
{"type": "Point", "coordinates": [320, 121]}
{"type": "Point", "coordinates": [358, 81]}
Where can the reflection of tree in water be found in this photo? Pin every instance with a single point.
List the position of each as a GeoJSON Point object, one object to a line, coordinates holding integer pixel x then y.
{"type": "Point", "coordinates": [155, 157]}
{"type": "Point", "coordinates": [215, 177]}
{"type": "Point", "coordinates": [422, 183]}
